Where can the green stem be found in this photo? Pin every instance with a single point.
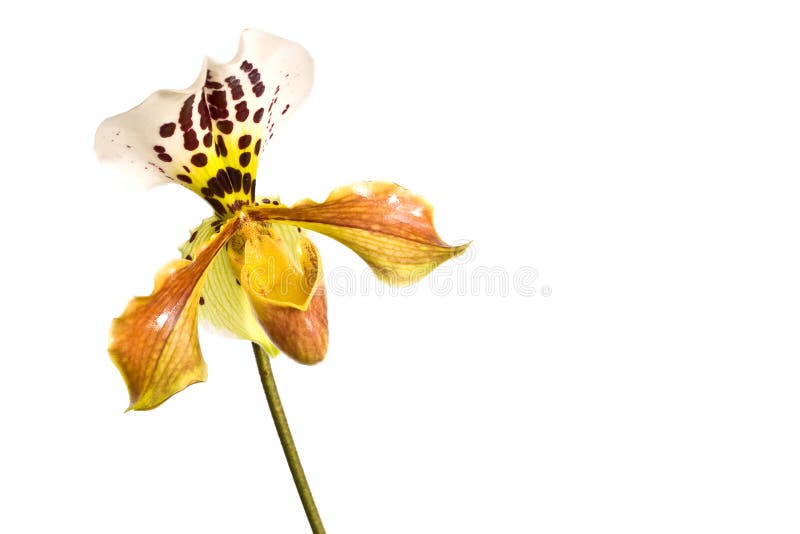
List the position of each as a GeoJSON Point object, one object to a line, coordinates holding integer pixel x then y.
{"type": "Point", "coordinates": [285, 435]}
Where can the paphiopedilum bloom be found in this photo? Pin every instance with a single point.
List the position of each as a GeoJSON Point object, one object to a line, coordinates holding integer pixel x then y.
{"type": "Point", "coordinates": [249, 269]}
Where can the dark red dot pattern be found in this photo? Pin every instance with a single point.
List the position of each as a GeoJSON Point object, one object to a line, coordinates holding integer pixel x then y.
{"type": "Point", "coordinates": [235, 86]}
{"type": "Point", "coordinates": [190, 141]}
{"type": "Point", "coordinates": [167, 130]}
{"type": "Point", "coordinates": [223, 129]}
{"type": "Point", "coordinates": [241, 111]}
{"type": "Point", "coordinates": [199, 160]}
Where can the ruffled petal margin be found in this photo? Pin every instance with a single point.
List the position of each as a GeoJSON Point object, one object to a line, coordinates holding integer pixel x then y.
{"type": "Point", "coordinates": [384, 223]}
{"type": "Point", "coordinates": [154, 342]}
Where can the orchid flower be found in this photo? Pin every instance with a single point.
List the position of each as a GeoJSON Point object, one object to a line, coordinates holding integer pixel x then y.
{"type": "Point", "coordinates": [249, 269]}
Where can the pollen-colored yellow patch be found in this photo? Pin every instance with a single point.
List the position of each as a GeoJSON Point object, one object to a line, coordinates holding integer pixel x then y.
{"type": "Point", "coordinates": [276, 264]}
{"type": "Point", "coordinates": [224, 172]}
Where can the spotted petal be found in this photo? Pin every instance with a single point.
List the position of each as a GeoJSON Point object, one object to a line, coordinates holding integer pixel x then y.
{"type": "Point", "coordinates": [384, 223]}
{"type": "Point", "coordinates": [208, 137]}
{"type": "Point", "coordinates": [154, 342]}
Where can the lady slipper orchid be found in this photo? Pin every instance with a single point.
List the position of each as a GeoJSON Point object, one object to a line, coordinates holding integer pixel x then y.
{"type": "Point", "coordinates": [249, 269]}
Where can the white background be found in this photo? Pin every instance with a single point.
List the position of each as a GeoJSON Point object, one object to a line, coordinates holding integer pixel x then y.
{"type": "Point", "coordinates": [641, 156]}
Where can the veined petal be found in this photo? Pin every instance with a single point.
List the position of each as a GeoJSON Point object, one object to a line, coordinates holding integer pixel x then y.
{"type": "Point", "coordinates": [281, 273]}
{"type": "Point", "coordinates": [226, 306]}
{"type": "Point", "coordinates": [384, 223]}
{"type": "Point", "coordinates": [208, 137]}
{"type": "Point", "coordinates": [154, 342]}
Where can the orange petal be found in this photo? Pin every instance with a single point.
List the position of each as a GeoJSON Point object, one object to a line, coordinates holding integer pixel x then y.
{"type": "Point", "coordinates": [384, 223]}
{"type": "Point", "coordinates": [154, 342]}
{"type": "Point", "coordinates": [300, 334]}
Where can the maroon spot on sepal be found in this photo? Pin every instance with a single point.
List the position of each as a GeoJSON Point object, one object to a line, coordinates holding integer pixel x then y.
{"type": "Point", "coordinates": [253, 191]}
{"type": "Point", "coordinates": [207, 140]}
{"type": "Point", "coordinates": [236, 87]}
{"type": "Point", "coordinates": [244, 141]}
{"type": "Point", "coordinates": [285, 109]}
{"type": "Point", "coordinates": [258, 89]}
{"type": "Point", "coordinates": [225, 127]}
{"type": "Point", "coordinates": [165, 158]}
{"type": "Point", "coordinates": [184, 178]}
{"type": "Point", "coordinates": [218, 105]}
{"type": "Point", "coordinates": [257, 149]}
{"type": "Point", "coordinates": [202, 110]}
{"type": "Point", "coordinates": [199, 160]}
{"type": "Point", "coordinates": [222, 149]}
{"type": "Point", "coordinates": [246, 182]}
{"type": "Point", "coordinates": [160, 149]}
{"type": "Point", "coordinates": [215, 186]}
{"type": "Point", "coordinates": [244, 159]}
{"type": "Point", "coordinates": [185, 115]}
{"type": "Point", "coordinates": [225, 181]}
{"type": "Point", "coordinates": [241, 111]}
{"type": "Point", "coordinates": [235, 176]}
{"type": "Point", "coordinates": [246, 66]}
{"type": "Point", "coordinates": [167, 129]}
{"type": "Point", "coordinates": [190, 141]}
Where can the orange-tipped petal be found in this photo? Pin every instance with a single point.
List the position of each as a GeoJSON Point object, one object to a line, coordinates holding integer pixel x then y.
{"type": "Point", "coordinates": [281, 273]}
{"type": "Point", "coordinates": [384, 223]}
{"type": "Point", "coordinates": [154, 342]}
